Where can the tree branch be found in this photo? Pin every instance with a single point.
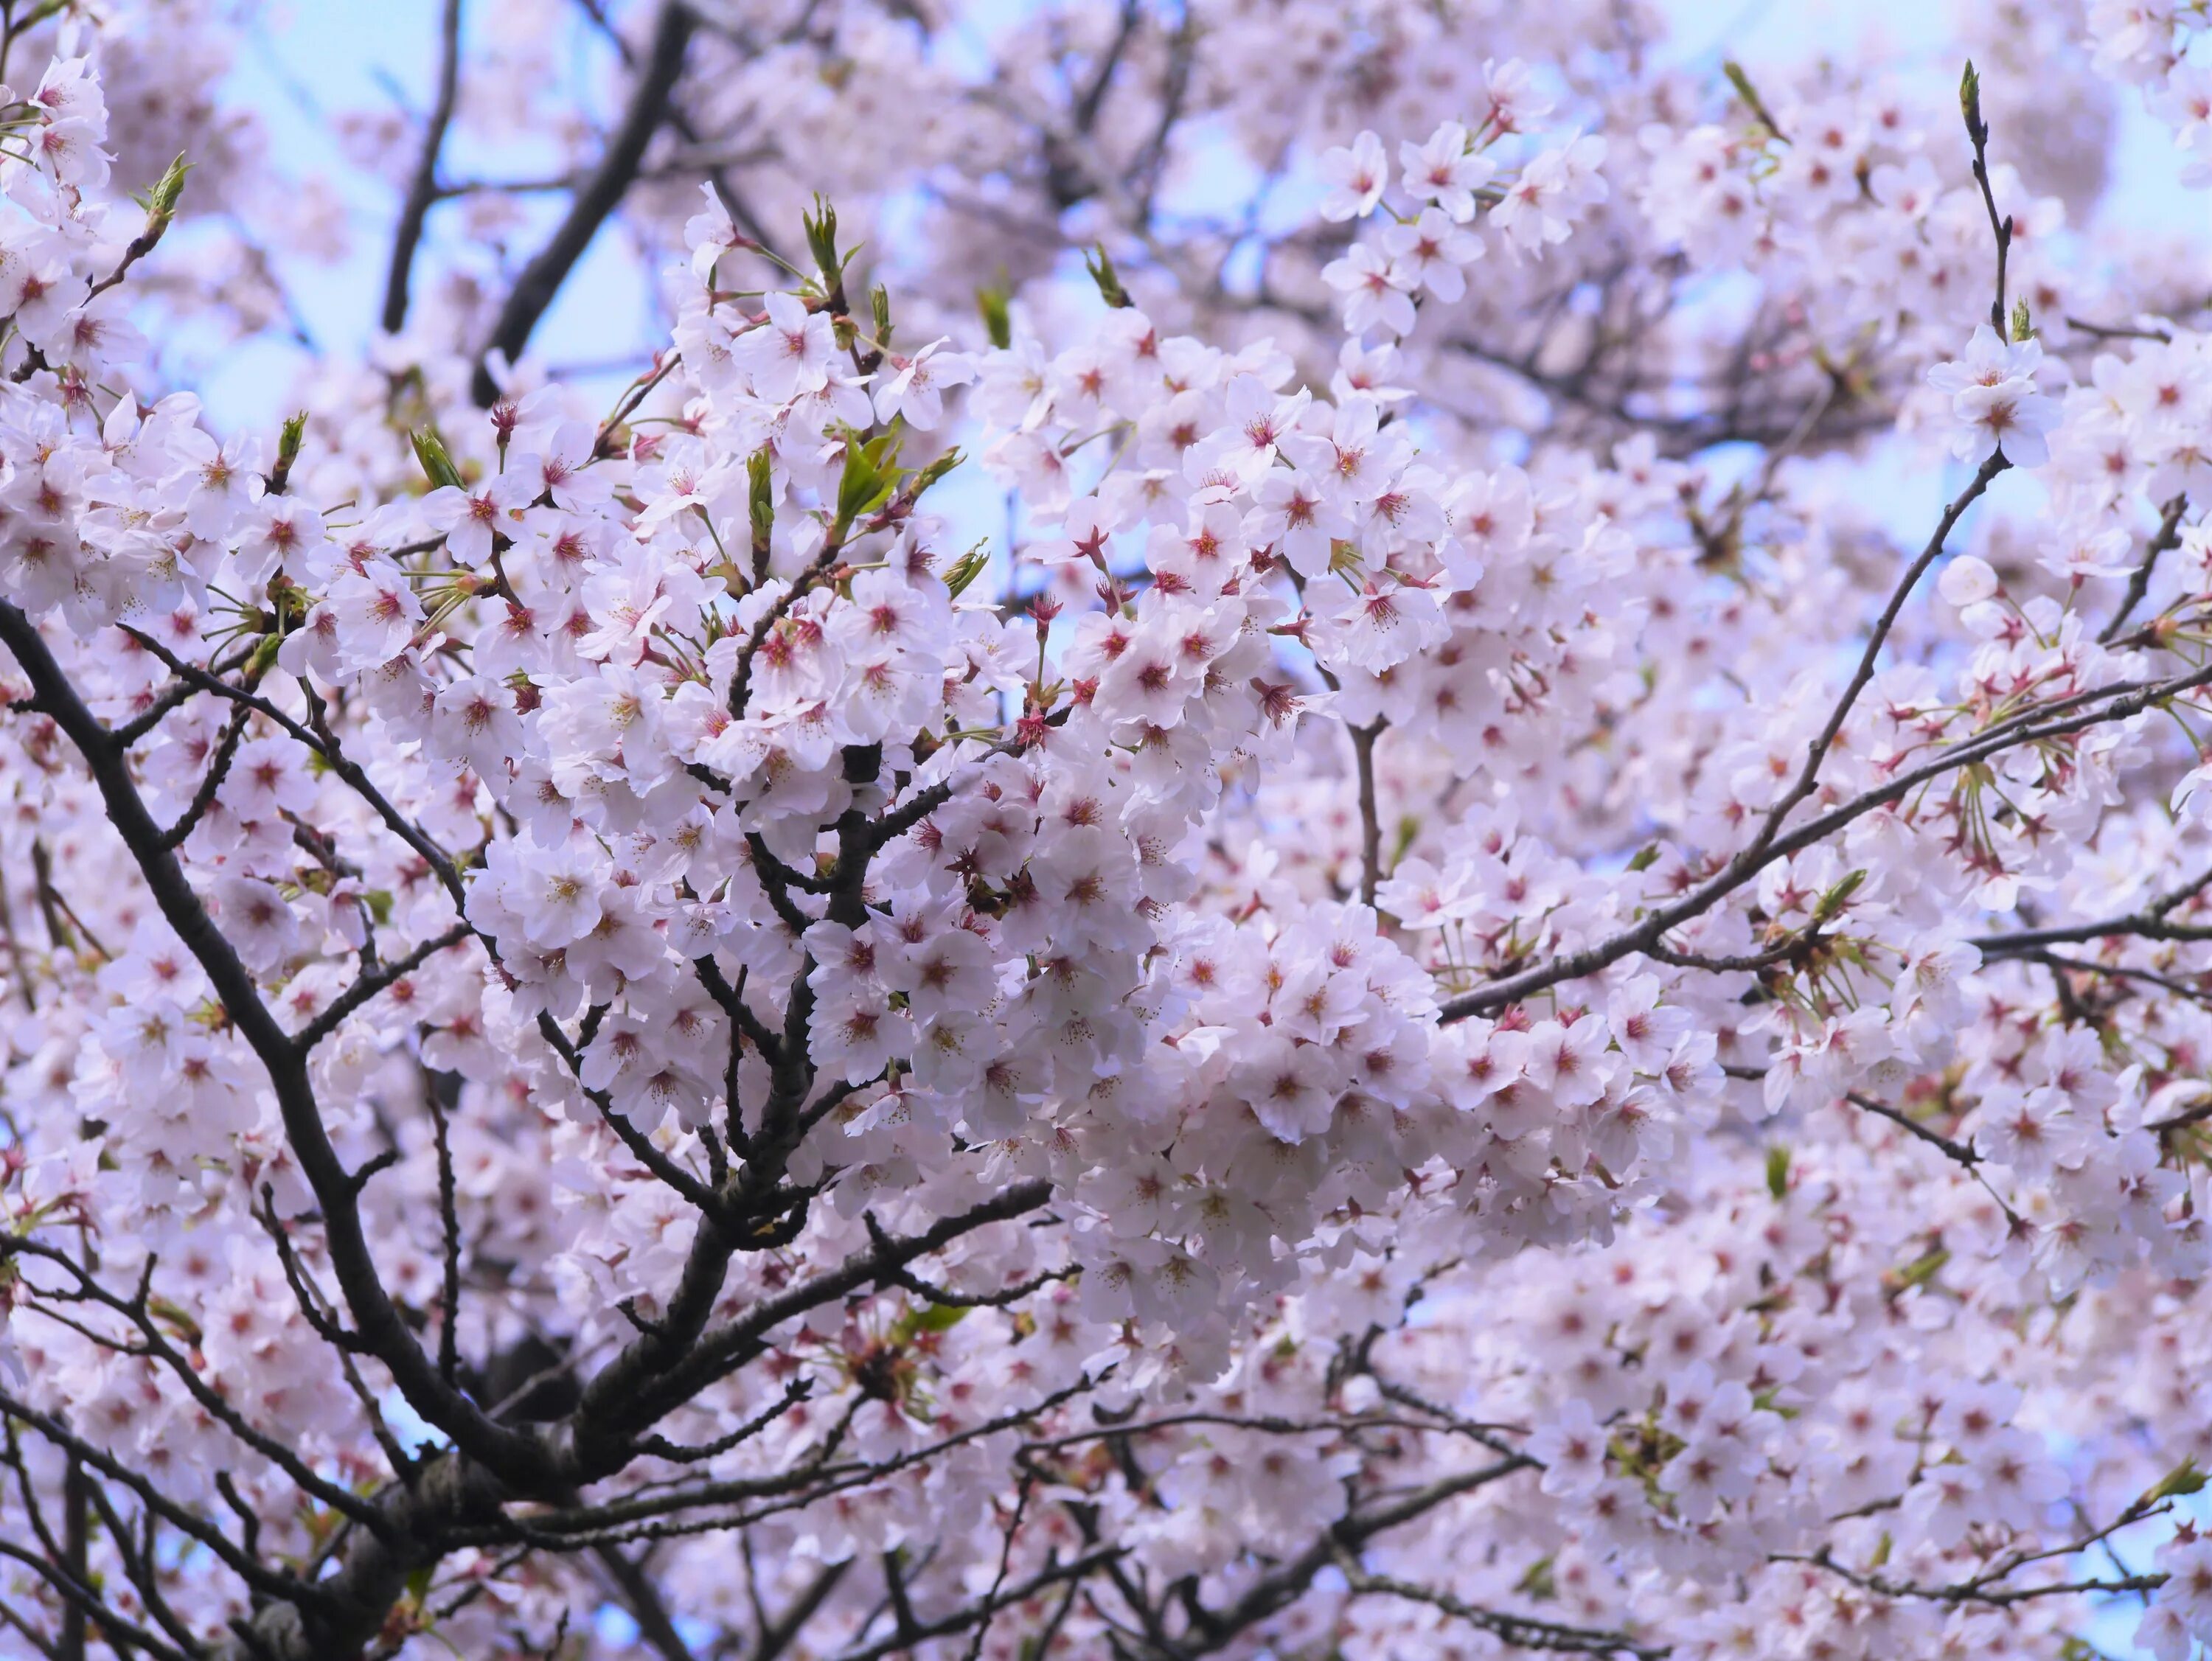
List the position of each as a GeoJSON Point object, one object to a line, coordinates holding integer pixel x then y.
{"type": "Point", "coordinates": [2167, 536]}
{"type": "Point", "coordinates": [1370, 823]}
{"type": "Point", "coordinates": [1763, 849]}
{"type": "Point", "coordinates": [378, 1322]}
{"type": "Point", "coordinates": [422, 190]}
{"type": "Point", "coordinates": [602, 193]}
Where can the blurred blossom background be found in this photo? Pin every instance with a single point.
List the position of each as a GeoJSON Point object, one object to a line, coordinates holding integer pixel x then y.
{"type": "Point", "coordinates": [338, 87]}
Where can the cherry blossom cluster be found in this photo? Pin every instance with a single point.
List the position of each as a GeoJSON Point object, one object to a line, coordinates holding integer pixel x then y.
{"type": "Point", "coordinates": [1428, 245]}
{"type": "Point", "coordinates": [2157, 49]}
{"type": "Point", "coordinates": [1343, 939]}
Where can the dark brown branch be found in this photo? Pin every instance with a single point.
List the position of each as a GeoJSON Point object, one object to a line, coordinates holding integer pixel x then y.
{"type": "Point", "coordinates": [162, 209]}
{"type": "Point", "coordinates": [423, 190]}
{"type": "Point", "coordinates": [1950, 1149]}
{"type": "Point", "coordinates": [642, 1598]}
{"type": "Point", "coordinates": [225, 751]}
{"type": "Point", "coordinates": [141, 1565]}
{"type": "Point", "coordinates": [1982, 1590]}
{"type": "Point", "coordinates": [660, 1448]}
{"type": "Point", "coordinates": [640, 1146]}
{"type": "Point", "coordinates": [541, 280]}
{"type": "Point", "coordinates": [983, 1609]}
{"type": "Point", "coordinates": [375, 980]}
{"type": "Point", "coordinates": [1268, 1424]}
{"type": "Point", "coordinates": [323, 743]}
{"type": "Point", "coordinates": [2115, 332]}
{"type": "Point", "coordinates": [2148, 923]}
{"type": "Point", "coordinates": [776, 1635]}
{"type": "Point", "coordinates": [905, 1627]}
{"type": "Point", "coordinates": [1764, 847]}
{"type": "Point", "coordinates": [1520, 1631]}
{"type": "Point", "coordinates": [355, 1599]}
{"type": "Point", "coordinates": [1286, 1583]}
{"type": "Point", "coordinates": [2059, 961]}
{"type": "Point", "coordinates": [1612, 951]}
{"type": "Point", "coordinates": [376, 1316]}
{"type": "Point", "coordinates": [76, 1535]}
{"type": "Point", "coordinates": [96, 1458]}
{"type": "Point", "coordinates": [627, 406]}
{"type": "Point", "coordinates": [449, 1221]}
{"type": "Point", "coordinates": [1977, 134]}
{"type": "Point", "coordinates": [37, 1639]}
{"type": "Point", "coordinates": [740, 212]}
{"type": "Point", "coordinates": [1370, 823]}
{"type": "Point", "coordinates": [77, 1595]}
{"type": "Point", "coordinates": [2168, 537]}
{"type": "Point", "coordinates": [1795, 945]}
{"type": "Point", "coordinates": [155, 713]}
{"type": "Point", "coordinates": [626, 1392]}
{"type": "Point", "coordinates": [155, 1345]}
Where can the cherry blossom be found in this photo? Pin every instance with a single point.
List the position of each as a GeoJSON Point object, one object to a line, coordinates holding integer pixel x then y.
{"type": "Point", "coordinates": [1283, 843]}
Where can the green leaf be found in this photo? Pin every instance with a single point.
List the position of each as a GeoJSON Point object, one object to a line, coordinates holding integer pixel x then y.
{"type": "Point", "coordinates": [998, 320]}
{"type": "Point", "coordinates": [1778, 1172]}
{"type": "Point", "coordinates": [288, 440]}
{"type": "Point", "coordinates": [969, 566]}
{"type": "Point", "coordinates": [760, 495]}
{"type": "Point", "coordinates": [1744, 89]}
{"type": "Point", "coordinates": [821, 227]}
{"type": "Point", "coordinates": [161, 200]}
{"type": "Point", "coordinates": [430, 451]}
{"type": "Point", "coordinates": [2184, 1478]}
{"type": "Point", "coordinates": [1646, 857]}
{"type": "Point", "coordinates": [940, 1316]}
{"type": "Point", "coordinates": [1101, 267]}
{"type": "Point", "coordinates": [1925, 1268]}
{"type": "Point", "coordinates": [1537, 1582]}
{"type": "Point", "coordinates": [1409, 830]}
{"type": "Point", "coordinates": [1765, 1403]}
{"type": "Point", "coordinates": [934, 472]}
{"type": "Point", "coordinates": [872, 474]}
{"type": "Point", "coordinates": [1832, 901]}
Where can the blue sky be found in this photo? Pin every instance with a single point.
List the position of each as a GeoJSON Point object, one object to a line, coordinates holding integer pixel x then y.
{"type": "Point", "coordinates": [321, 57]}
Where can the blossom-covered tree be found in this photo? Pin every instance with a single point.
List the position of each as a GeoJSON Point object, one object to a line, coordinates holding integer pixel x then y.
{"type": "Point", "coordinates": [1230, 877]}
